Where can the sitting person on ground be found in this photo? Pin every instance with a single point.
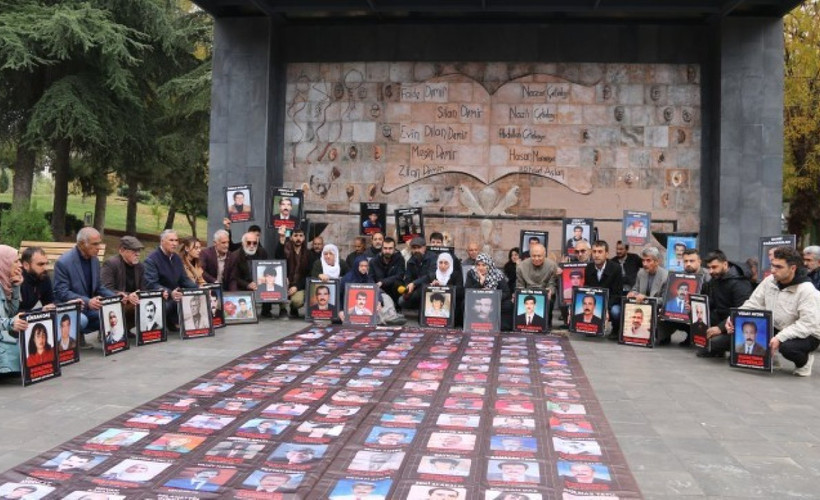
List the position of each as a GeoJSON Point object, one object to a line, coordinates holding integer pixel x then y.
{"type": "Point", "coordinates": [11, 277]}
{"type": "Point", "coordinates": [164, 271]}
{"type": "Point", "coordinates": [539, 271]}
{"type": "Point", "coordinates": [486, 276]}
{"type": "Point", "coordinates": [603, 273]}
{"type": "Point", "coordinates": [359, 248]}
{"type": "Point", "coordinates": [472, 253]}
{"type": "Point", "coordinates": [218, 261]}
{"type": "Point", "coordinates": [36, 290]}
{"type": "Point", "coordinates": [692, 265]}
{"type": "Point", "coordinates": [651, 279]}
{"type": "Point", "coordinates": [630, 264]}
{"type": "Point", "coordinates": [513, 258]}
{"type": "Point", "coordinates": [417, 270]}
{"type": "Point", "coordinates": [387, 270]}
{"type": "Point", "coordinates": [360, 273]}
{"type": "Point", "coordinates": [243, 272]}
{"type": "Point", "coordinates": [376, 243]}
{"type": "Point", "coordinates": [294, 251]}
{"type": "Point", "coordinates": [329, 267]}
{"type": "Point", "coordinates": [811, 259]}
{"type": "Point", "coordinates": [124, 274]}
{"type": "Point", "coordinates": [795, 306]}
{"type": "Point", "coordinates": [190, 249]}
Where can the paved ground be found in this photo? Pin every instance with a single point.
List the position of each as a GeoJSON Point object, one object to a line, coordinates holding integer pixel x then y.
{"type": "Point", "coordinates": [687, 426]}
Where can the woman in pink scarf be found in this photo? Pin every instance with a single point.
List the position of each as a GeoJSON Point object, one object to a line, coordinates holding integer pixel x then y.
{"type": "Point", "coordinates": [11, 276]}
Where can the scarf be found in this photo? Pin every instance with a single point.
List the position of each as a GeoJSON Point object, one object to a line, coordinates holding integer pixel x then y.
{"type": "Point", "coordinates": [354, 276]}
{"type": "Point", "coordinates": [333, 271]}
{"type": "Point", "coordinates": [494, 276]}
{"type": "Point", "coordinates": [7, 257]}
{"type": "Point", "coordinates": [444, 278]}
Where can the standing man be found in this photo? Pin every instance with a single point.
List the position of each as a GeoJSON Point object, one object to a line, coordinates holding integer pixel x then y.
{"type": "Point", "coordinates": [36, 288]}
{"type": "Point", "coordinates": [811, 259]}
{"type": "Point", "coordinates": [217, 261]}
{"type": "Point", "coordinates": [123, 273]}
{"type": "Point", "coordinates": [77, 276]}
{"type": "Point", "coordinates": [164, 271]}
{"type": "Point", "coordinates": [539, 271]}
{"type": "Point", "coordinates": [295, 253]}
{"type": "Point", "coordinates": [728, 288]}
{"type": "Point", "coordinates": [603, 273]}
{"type": "Point", "coordinates": [795, 306]}
{"type": "Point", "coordinates": [630, 264]}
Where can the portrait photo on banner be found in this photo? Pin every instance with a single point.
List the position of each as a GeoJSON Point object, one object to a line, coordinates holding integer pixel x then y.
{"type": "Point", "coordinates": [239, 307]}
{"type": "Point", "coordinates": [750, 343]}
{"type": "Point", "coordinates": [588, 311]}
{"type": "Point", "coordinates": [238, 203]}
{"type": "Point", "coordinates": [638, 322]}
{"type": "Point", "coordinates": [271, 280]}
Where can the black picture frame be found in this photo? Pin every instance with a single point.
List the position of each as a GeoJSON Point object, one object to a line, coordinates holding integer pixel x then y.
{"type": "Point", "coordinates": [573, 274]}
{"type": "Point", "coordinates": [409, 223]}
{"type": "Point", "coordinates": [432, 316]}
{"type": "Point", "coordinates": [357, 312]}
{"type": "Point", "coordinates": [239, 308]}
{"type": "Point", "coordinates": [235, 212]}
{"type": "Point", "coordinates": [314, 306]}
{"type": "Point", "coordinates": [195, 319]}
{"type": "Point", "coordinates": [295, 213]}
{"type": "Point", "coordinates": [215, 299]}
{"type": "Point", "coordinates": [767, 243]}
{"type": "Point", "coordinates": [590, 325]}
{"type": "Point", "coordinates": [760, 356]}
{"type": "Point", "coordinates": [39, 366]}
{"type": "Point", "coordinates": [482, 310]}
{"type": "Point", "coordinates": [641, 333]}
{"type": "Point", "coordinates": [539, 319]}
{"type": "Point", "coordinates": [676, 282]}
{"type": "Point", "coordinates": [150, 318]}
{"type": "Point", "coordinates": [528, 236]}
{"type": "Point", "coordinates": [68, 354]}
{"type": "Point", "coordinates": [636, 228]}
{"type": "Point", "coordinates": [699, 319]}
{"type": "Point", "coordinates": [367, 223]}
{"type": "Point", "coordinates": [569, 235]}
{"type": "Point", "coordinates": [267, 292]}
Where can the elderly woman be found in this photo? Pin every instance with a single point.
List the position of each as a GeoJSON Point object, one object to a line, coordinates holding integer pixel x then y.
{"type": "Point", "coordinates": [486, 276]}
{"type": "Point", "coordinates": [189, 250]}
{"type": "Point", "coordinates": [11, 276]}
{"type": "Point", "coordinates": [360, 273]}
{"type": "Point", "coordinates": [329, 266]}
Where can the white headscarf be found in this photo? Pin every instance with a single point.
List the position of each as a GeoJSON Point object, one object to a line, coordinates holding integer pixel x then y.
{"type": "Point", "coordinates": [444, 278]}
{"type": "Point", "coordinates": [333, 271]}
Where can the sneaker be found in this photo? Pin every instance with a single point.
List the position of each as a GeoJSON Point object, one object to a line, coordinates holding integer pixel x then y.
{"type": "Point", "coordinates": [805, 370]}
{"type": "Point", "coordinates": [397, 321]}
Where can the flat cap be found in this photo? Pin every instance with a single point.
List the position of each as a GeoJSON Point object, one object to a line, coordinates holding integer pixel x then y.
{"type": "Point", "coordinates": [418, 241]}
{"type": "Point", "coordinates": [131, 243]}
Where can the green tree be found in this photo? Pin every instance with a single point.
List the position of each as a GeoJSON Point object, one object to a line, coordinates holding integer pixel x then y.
{"type": "Point", "coordinates": [801, 169]}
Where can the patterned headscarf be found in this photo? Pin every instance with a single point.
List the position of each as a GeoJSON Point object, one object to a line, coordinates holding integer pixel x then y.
{"type": "Point", "coordinates": [494, 276]}
{"type": "Point", "coordinates": [7, 257]}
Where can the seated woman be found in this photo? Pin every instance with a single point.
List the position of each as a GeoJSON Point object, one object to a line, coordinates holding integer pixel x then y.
{"type": "Point", "coordinates": [360, 273]}
{"type": "Point", "coordinates": [328, 266]}
{"type": "Point", "coordinates": [486, 276]}
{"type": "Point", "coordinates": [189, 250]}
{"type": "Point", "coordinates": [509, 268]}
{"type": "Point", "coordinates": [447, 274]}
{"type": "Point", "coordinates": [11, 276]}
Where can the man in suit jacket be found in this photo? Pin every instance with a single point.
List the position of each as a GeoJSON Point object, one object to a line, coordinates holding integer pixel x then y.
{"type": "Point", "coordinates": [651, 279]}
{"type": "Point", "coordinates": [217, 261]}
{"type": "Point", "coordinates": [528, 317]}
{"type": "Point", "coordinates": [77, 276]}
{"type": "Point", "coordinates": [602, 273]}
{"type": "Point", "coordinates": [123, 274]}
{"type": "Point", "coordinates": [749, 344]}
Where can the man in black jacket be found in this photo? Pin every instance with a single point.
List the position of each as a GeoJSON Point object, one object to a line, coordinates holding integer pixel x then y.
{"type": "Point", "coordinates": [419, 267]}
{"type": "Point", "coordinates": [243, 273]}
{"type": "Point", "coordinates": [629, 263]}
{"type": "Point", "coordinates": [728, 288]}
{"type": "Point", "coordinates": [387, 270]}
{"type": "Point", "coordinates": [602, 273]}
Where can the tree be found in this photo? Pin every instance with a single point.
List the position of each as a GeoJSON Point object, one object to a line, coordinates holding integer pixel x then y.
{"type": "Point", "coordinates": [801, 170]}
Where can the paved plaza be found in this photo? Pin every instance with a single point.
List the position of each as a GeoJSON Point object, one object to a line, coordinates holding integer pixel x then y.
{"type": "Point", "coordinates": [688, 427]}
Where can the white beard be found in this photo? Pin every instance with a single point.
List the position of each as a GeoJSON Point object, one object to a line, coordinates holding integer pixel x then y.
{"type": "Point", "coordinates": [249, 251]}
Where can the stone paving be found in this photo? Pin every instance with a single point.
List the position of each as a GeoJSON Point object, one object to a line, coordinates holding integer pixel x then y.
{"type": "Point", "coordinates": [688, 427]}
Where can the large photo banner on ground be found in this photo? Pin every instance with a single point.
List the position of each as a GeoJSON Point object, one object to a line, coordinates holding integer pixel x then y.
{"type": "Point", "coordinates": [336, 411]}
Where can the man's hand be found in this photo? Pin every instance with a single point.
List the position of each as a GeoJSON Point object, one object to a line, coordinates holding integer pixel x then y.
{"type": "Point", "coordinates": [410, 287]}
{"type": "Point", "coordinates": [774, 344]}
{"type": "Point", "coordinates": [49, 307]}
{"type": "Point", "coordinates": [713, 331]}
{"type": "Point", "coordinates": [132, 298]}
{"type": "Point", "coordinates": [729, 326]}
{"type": "Point", "coordinates": [291, 291]}
{"type": "Point", "coordinates": [282, 233]}
{"type": "Point", "coordinates": [19, 324]}
{"type": "Point", "coordinates": [252, 286]}
{"type": "Point", "coordinates": [94, 303]}
{"type": "Point", "coordinates": [176, 294]}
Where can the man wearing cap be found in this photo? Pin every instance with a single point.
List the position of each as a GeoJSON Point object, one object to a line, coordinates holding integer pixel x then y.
{"type": "Point", "coordinates": [123, 274]}
{"type": "Point", "coordinates": [419, 267]}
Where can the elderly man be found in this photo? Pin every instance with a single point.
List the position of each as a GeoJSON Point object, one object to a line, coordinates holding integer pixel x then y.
{"type": "Point", "coordinates": [541, 272]}
{"type": "Point", "coordinates": [811, 259]}
{"type": "Point", "coordinates": [77, 277]}
{"type": "Point", "coordinates": [36, 290]}
{"type": "Point", "coordinates": [243, 275]}
{"type": "Point", "coordinates": [359, 249]}
{"type": "Point", "coordinates": [472, 253]}
{"type": "Point", "coordinates": [692, 265]}
{"type": "Point", "coordinates": [418, 269]}
{"type": "Point", "coordinates": [603, 273]}
{"type": "Point", "coordinates": [217, 261]}
{"type": "Point", "coordinates": [295, 252]}
{"type": "Point", "coordinates": [123, 273]}
{"type": "Point", "coordinates": [376, 242]}
{"type": "Point", "coordinates": [651, 280]}
{"type": "Point", "coordinates": [164, 270]}
{"type": "Point", "coordinates": [795, 306]}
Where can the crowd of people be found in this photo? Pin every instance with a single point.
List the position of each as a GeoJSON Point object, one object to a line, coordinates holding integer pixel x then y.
{"type": "Point", "coordinates": [790, 291]}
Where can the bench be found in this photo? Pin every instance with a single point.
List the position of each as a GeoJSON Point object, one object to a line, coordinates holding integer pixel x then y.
{"type": "Point", "coordinates": [54, 249]}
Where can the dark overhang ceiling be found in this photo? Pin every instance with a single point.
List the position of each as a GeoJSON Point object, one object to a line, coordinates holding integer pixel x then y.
{"type": "Point", "coordinates": [692, 11]}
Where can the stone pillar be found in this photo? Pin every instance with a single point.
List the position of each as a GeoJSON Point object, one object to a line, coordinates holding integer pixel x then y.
{"type": "Point", "coordinates": [751, 134]}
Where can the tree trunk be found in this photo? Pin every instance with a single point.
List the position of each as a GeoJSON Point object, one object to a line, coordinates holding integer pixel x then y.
{"type": "Point", "coordinates": [192, 221]}
{"type": "Point", "coordinates": [24, 166]}
{"type": "Point", "coordinates": [100, 202]}
{"type": "Point", "coordinates": [131, 213]}
{"type": "Point", "coordinates": [172, 213]}
{"type": "Point", "coordinates": [62, 157]}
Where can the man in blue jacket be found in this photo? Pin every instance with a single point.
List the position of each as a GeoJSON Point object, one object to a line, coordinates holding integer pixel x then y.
{"type": "Point", "coordinates": [164, 271]}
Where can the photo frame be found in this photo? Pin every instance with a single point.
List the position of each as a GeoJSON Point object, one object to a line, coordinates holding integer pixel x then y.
{"type": "Point", "coordinates": [361, 303]}
{"type": "Point", "coordinates": [67, 332]}
{"type": "Point", "coordinates": [438, 306]}
{"type": "Point", "coordinates": [38, 348]}
{"type": "Point", "coordinates": [575, 231]}
{"type": "Point", "coordinates": [286, 208]}
{"type": "Point", "coordinates": [271, 278]}
{"type": "Point", "coordinates": [112, 326]}
{"type": "Point", "coordinates": [699, 319]}
{"type": "Point", "coordinates": [675, 246]}
{"type": "Point", "coordinates": [239, 308]}
{"type": "Point", "coordinates": [768, 243]}
{"type": "Point", "coordinates": [150, 318]}
{"type": "Point", "coordinates": [531, 311]}
{"type": "Point", "coordinates": [572, 274]}
{"type": "Point", "coordinates": [588, 311]}
{"type": "Point", "coordinates": [528, 237]}
{"type": "Point", "coordinates": [238, 203]}
{"type": "Point", "coordinates": [372, 218]}
{"type": "Point", "coordinates": [636, 228]}
{"type": "Point", "coordinates": [195, 314]}
{"type": "Point", "coordinates": [750, 342]}
{"type": "Point", "coordinates": [409, 223]}
{"type": "Point", "coordinates": [215, 299]}
{"type": "Point", "coordinates": [482, 310]}
{"type": "Point", "coordinates": [322, 299]}
{"type": "Point", "coordinates": [639, 322]}
{"type": "Point", "coordinates": [679, 287]}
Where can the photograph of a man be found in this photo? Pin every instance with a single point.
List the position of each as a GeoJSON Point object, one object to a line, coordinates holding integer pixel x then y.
{"type": "Point", "coordinates": [574, 234]}
{"type": "Point", "coordinates": [236, 202]}
{"type": "Point", "coordinates": [575, 278]}
{"type": "Point", "coordinates": [321, 299]}
{"type": "Point", "coordinates": [680, 302]}
{"type": "Point", "coordinates": [151, 320]}
{"type": "Point", "coordinates": [746, 340]}
{"type": "Point", "coordinates": [284, 212]}
{"type": "Point", "coordinates": [587, 315]}
{"type": "Point", "coordinates": [201, 479]}
{"type": "Point", "coordinates": [273, 482]}
{"type": "Point", "coordinates": [69, 461]}
{"type": "Point", "coordinates": [196, 307]}
{"type": "Point", "coordinates": [528, 316]}
{"type": "Point", "coordinates": [483, 307]}
{"type": "Point", "coordinates": [361, 300]}
{"type": "Point", "coordinates": [638, 327]}
{"type": "Point", "coordinates": [512, 471]}
{"type": "Point", "coordinates": [68, 335]}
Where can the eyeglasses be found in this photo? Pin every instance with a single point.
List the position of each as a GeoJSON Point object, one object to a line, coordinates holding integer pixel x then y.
{"type": "Point", "coordinates": [252, 243]}
{"type": "Point", "coordinates": [582, 250]}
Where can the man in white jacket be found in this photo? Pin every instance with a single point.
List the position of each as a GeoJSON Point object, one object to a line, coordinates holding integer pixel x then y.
{"type": "Point", "coordinates": [795, 306]}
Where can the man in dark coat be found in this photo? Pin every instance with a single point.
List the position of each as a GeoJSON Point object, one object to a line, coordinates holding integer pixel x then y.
{"type": "Point", "coordinates": [602, 273]}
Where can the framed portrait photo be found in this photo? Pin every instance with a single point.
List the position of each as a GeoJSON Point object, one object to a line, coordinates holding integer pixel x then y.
{"type": "Point", "coordinates": [699, 319]}
{"type": "Point", "coordinates": [286, 208]}
{"type": "Point", "coordinates": [438, 308]}
{"type": "Point", "coordinates": [750, 343]}
{"type": "Point", "coordinates": [271, 277]}
{"type": "Point", "coordinates": [112, 326]}
{"type": "Point", "coordinates": [409, 223]}
{"type": "Point", "coordinates": [636, 228]}
{"type": "Point", "coordinates": [238, 203]}
{"type": "Point", "coordinates": [531, 311]}
{"type": "Point", "coordinates": [361, 303]}
{"type": "Point", "coordinates": [588, 311]}
{"type": "Point", "coordinates": [195, 314]}
{"type": "Point", "coordinates": [573, 274]}
{"type": "Point", "coordinates": [38, 348]}
{"type": "Point", "coordinates": [322, 299]}
{"type": "Point", "coordinates": [675, 246]}
{"type": "Point", "coordinates": [531, 237]}
{"type": "Point", "coordinates": [372, 218]}
{"type": "Point", "coordinates": [239, 307]}
{"type": "Point", "coordinates": [215, 298]}
{"type": "Point", "coordinates": [575, 231]}
{"type": "Point", "coordinates": [767, 245]}
{"type": "Point", "coordinates": [150, 322]}
{"type": "Point", "coordinates": [482, 310]}
{"type": "Point", "coordinates": [679, 286]}
{"type": "Point", "coordinates": [67, 328]}
{"type": "Point", "coordinates": [638, 322]}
